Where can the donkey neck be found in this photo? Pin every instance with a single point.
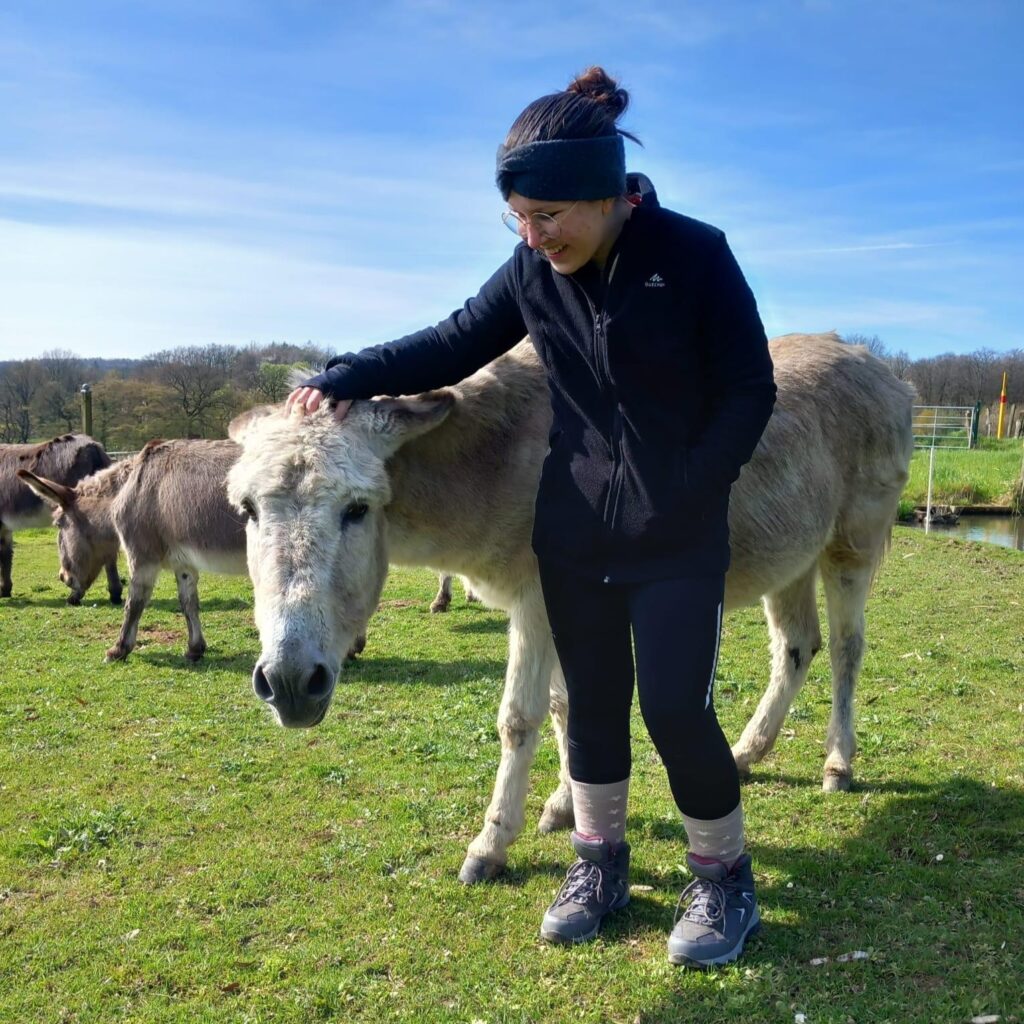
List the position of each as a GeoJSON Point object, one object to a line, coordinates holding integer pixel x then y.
{"type": "Point", "coordinates": [453, 487]}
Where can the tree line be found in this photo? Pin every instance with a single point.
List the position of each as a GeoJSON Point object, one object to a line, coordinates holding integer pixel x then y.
{"type": "Point", "coordinates": [951, 379]}
{"type": "Point", "coordinates": [190, 391]}
{"type": "Point", "coordinates": [195, 390]}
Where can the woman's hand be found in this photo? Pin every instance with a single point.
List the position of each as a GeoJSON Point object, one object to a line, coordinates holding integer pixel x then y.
{"type": "Point", "coordinates": [305, 399]}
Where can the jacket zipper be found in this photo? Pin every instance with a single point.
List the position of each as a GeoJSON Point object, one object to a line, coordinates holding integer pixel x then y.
{"type": "Point", "coordinates": [611, 504]}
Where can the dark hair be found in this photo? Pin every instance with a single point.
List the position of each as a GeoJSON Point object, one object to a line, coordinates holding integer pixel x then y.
{"type": "Point", "coordinates": [589, 108]}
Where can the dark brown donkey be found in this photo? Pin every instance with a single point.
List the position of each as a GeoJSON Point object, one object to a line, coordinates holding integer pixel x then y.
{"type": "Point", "coordinates": [66, 460]}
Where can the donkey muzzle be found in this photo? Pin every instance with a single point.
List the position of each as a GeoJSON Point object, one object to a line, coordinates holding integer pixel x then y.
{"type": "Point", "coordinates": [299, 692]}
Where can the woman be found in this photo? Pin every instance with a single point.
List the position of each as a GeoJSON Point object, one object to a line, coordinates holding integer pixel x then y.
{"type": "Point", "coordinates": [661, 385]}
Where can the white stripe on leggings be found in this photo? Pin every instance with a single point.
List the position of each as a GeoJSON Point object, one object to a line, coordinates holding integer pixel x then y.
{"type": "Point", "coordinates": [714, 664]}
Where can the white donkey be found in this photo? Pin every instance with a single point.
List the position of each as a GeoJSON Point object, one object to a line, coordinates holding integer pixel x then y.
{"type": "Point", "coordinates": [449, 479]}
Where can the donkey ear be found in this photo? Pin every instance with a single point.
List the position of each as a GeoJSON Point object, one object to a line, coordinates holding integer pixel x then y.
{"type": "Point", "coordinates": [394, 421]}
{"type": "Point", "coordinates": [49, 490]}
{"type": "Point", "coordinates": [239, 426]}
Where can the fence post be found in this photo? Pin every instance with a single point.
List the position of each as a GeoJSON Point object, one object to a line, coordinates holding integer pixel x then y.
{"type": "Point", "coordinates": [974, 425]}
{"type": "Point", "coordinates": [86, 392]}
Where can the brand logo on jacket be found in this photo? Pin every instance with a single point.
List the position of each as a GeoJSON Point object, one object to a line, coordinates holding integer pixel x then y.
{"type": "Point", "coordinates": [655, 281]}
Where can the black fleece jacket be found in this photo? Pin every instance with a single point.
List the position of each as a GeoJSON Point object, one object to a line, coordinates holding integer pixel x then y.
{"type": "Point", "coordinates": [661, 385]}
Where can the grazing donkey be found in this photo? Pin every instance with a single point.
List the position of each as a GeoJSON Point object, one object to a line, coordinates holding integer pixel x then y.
{"type": "Point", "coordinates": [449, 478]}
{"type": "Point", "coordinates": [444, 593]}
{"type": "Point", "coordinates": [66, 459]}
{"type": "Point", "coordinates": [167, 507]}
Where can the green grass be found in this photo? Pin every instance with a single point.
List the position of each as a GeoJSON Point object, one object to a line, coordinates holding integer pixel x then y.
{"type": "Point", "coordinates": [167, 854]}
{"type": "Point", "coordinates": [986, 475]}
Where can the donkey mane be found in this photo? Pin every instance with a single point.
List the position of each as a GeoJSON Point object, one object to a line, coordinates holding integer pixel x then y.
{"type": "Point", "coordinates": [107, 482]}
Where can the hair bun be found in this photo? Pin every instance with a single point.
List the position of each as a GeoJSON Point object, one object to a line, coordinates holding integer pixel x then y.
{"type": "Point", "coordinates": [596, 84]}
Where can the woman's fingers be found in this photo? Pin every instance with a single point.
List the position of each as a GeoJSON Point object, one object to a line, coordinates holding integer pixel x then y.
{"type": "Point", "coordinates": [295, 396]}
{"type": "Point", "coordinates": [303, 400]}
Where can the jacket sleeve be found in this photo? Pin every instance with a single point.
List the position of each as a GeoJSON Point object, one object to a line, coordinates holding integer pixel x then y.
{"type": "Point", "coordinates": [740, 375]}
{"type": "Point", "coordinates": [486, 326]}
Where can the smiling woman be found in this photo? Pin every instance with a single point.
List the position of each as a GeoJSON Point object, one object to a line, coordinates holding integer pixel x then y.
{"type": "Point", "coordinates": [660, 384]}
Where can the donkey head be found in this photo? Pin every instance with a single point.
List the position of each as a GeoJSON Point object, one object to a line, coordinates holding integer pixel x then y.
{"type": "Point", "coordinates": [314, 494]}
{"type": "Point", "coordinates": [86, 538]}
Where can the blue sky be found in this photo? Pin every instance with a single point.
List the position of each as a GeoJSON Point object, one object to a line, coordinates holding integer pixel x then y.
{"type": "Point", "coordinates": [182, 172]}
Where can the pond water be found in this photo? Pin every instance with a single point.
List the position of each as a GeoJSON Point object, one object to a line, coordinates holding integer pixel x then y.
{"type": "Point", "coordinates": [1006, 531]}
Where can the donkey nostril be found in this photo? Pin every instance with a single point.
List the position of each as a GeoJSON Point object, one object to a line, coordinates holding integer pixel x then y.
{"type": "Point", "coordinates": [261, 685]}
{"type": "Point", "coordinates": [320, 682]}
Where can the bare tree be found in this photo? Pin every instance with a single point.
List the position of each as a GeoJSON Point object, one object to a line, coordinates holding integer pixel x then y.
{"type": "Point", "coordinates": [873, 344]}
{"type": "Point", "coordinates": [18, 388]}
{"type": "Point", "coordinates": [58, 402]}
{"type": "Point", "coordinates": [197, 376]}
{"type": "Point", "coordinates": [900, 363]}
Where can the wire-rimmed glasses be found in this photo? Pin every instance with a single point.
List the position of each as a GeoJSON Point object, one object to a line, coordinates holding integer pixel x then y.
{"type": "Point", "coordinates": [546, 224]}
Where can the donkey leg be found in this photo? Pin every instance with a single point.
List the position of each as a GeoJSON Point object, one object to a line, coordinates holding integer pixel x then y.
{"type": "Point", "coordinates": [6, 560]}
{"type": "Point", "coordinates": [558, 811]}
{"type": "Point", "coordinates": [113, 581]}
{"type": "Point", "coordinates": [847, 583]}
{"type": "Point", "coordinates": [793, 626]}
{"type": "Point", "coordinates": [523, 706]}
{"type": "Point", "coordinates": [188, 600]}
{"type": "Point", "coordinates": [140, 589]}
{"type": "Point", "coordinates": [444, 593]}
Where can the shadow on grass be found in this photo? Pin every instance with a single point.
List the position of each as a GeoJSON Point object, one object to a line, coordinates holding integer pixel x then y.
{"type": "Point", "coordinates": [482, 625]}
{"type": "Point", "coordinates": [380, 671]}
{"type": "Point", "coordinates": [47, 602]}
{"type": "Point", "coordinates": [931, 879]}
{"type": "Point", "coordinates": [211, 661]}
{"type": "Point", "coordinates": [166, 604]}
{"type": "Point", "coordinates": [859, 786]}
{"type": "Point", "coordinates": [211, 604]}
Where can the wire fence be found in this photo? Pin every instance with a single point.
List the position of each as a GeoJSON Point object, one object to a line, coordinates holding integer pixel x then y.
{"type": "Point", "coordinates": [944, 426]}
{"type": "Point", "coordinates": [936, 427]}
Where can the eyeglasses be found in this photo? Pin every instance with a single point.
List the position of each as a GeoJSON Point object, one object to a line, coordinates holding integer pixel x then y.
{"type": "Point", "coordinates": [546, 224]}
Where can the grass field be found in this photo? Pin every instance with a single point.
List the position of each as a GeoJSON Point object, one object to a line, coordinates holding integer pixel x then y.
{"type": "Point", "coordinates": [168, 854]}
{"type": "Point", "coordinates": [985, 475]}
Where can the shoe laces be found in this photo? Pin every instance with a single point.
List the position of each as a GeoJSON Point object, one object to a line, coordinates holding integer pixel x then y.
{"type": "Point", "coordinates": [706, 902]}
{"type": "Point", "coordinates": [582, 881]}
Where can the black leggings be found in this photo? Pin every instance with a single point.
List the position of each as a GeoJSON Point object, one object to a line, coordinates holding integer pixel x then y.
{"type": "Point", "coordinates": [676, 626]}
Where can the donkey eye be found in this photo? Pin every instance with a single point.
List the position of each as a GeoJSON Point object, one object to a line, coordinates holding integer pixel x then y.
{"type": "Point", "coordinates": [354, 513]}
{"type": "Point", "coordinates": [249, 510]}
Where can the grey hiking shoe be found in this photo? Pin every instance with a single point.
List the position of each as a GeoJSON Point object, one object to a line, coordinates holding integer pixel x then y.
{"type": "Point", "coordinates": [596, 884]}
{"type": "Point", "coordinates": [721, 911]}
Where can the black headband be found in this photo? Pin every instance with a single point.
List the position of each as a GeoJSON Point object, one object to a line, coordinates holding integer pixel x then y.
{"type": "Point", "coordinates": [564, 169]}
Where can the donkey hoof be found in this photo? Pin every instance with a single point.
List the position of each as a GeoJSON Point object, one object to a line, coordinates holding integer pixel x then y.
{"type": "Point", "coordinates": [117, 600]}
{"type": "Point", "coordinates": [556, 820]}
{"type": "Point", "coordinates": [116, 654]}
{"type": "Point", "coordinates": [74, 600]}
{"type": "Point", "coordinates": [836, 782]}
{"type": "Point", "coordinates": [195, 655]}
{"type": "Point", "coordinates": [476, 870]}
{"type": "Point", "coordinates": [438, 607]}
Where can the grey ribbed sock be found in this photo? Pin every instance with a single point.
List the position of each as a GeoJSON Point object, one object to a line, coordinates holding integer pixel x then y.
{"type": "Point", "coordinates": [601, 810]}
{"type": "Point", "coordinates": [717, 839]}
